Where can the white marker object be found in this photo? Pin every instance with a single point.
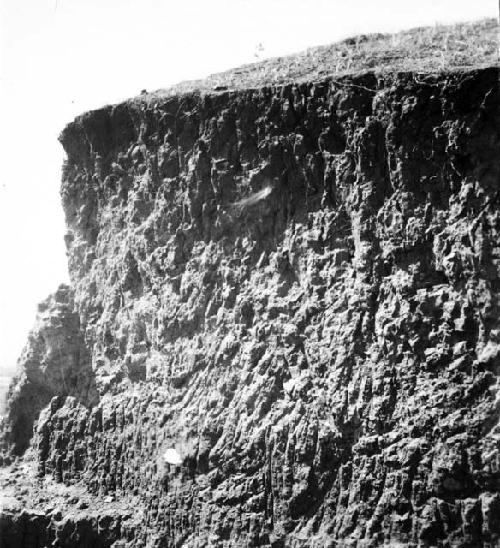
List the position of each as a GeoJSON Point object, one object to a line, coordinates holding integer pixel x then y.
{"type": "Point", "coordinates": [172, 457]}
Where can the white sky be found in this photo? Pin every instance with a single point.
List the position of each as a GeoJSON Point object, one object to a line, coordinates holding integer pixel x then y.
{"type": "Point", "coordinates": [62, 57]}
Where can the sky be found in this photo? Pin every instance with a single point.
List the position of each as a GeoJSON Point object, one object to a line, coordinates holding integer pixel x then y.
{"type": "Point", "coordinates": [59, 58]}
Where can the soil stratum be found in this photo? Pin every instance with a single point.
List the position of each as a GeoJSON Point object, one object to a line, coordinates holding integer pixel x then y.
{"type": "Point", "coordinates": [286, 278]}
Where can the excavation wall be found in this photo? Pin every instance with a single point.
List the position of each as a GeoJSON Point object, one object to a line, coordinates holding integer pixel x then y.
{"type": "Point", "coordinates": [294, 287]}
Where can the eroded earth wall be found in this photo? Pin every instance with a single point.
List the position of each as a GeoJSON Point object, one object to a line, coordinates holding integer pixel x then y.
{"type": "Point", "coordinates": [297, 289]}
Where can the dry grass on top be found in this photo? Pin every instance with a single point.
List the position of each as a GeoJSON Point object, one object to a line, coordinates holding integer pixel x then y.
{"type": "Point", "coordinates": [435, 49]}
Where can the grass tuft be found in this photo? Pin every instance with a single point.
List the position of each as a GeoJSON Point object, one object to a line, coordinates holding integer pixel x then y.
{"type": "Point", "coordinates": [433, 49]}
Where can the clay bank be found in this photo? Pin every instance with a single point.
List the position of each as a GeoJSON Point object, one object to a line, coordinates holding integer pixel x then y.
{"type": "Point", "coordinates": [283, 324]}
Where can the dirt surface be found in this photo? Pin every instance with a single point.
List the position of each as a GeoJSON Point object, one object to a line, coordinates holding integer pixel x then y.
{"type": "Point", "coordinates": [421, 50]}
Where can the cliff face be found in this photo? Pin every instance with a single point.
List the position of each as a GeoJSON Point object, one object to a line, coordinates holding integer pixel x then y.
{"type": "Point", "coordinates": [55, 362]}
{"type": "Point", "coordinates": [295, 287]}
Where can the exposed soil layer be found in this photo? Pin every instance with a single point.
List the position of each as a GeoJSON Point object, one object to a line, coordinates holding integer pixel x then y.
{"type": "Point", "coordinates": [296, 287]}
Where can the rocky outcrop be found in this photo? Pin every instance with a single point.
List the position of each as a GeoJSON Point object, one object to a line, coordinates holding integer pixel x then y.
{"type": "Point", "coordinates": [55, 362]}
{"type": "Point", "coordinates": [296, 288]}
